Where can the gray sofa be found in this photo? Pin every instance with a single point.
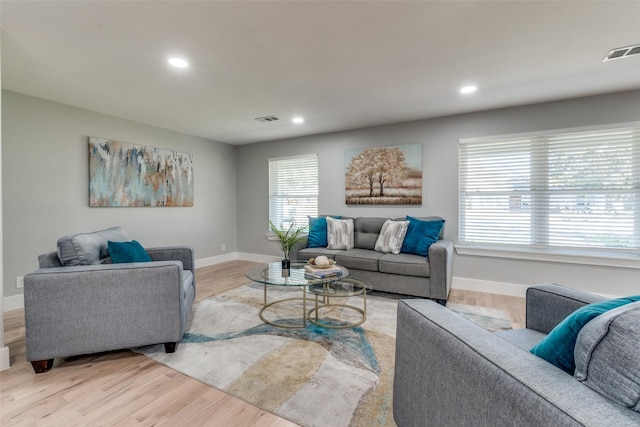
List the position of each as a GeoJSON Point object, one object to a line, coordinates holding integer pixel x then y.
{"type": "Point", "coordinates": [406, 274]}
{"type": "Point", "coordinates": [450, 372]}
{"type": "Point", "coordinates": [101, 306]}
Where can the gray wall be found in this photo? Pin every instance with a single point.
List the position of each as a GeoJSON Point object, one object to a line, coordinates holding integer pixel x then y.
{"type": "Point", "coordinates": [45, 185]}
{"type": "Point", "coordinates": [440, 182]}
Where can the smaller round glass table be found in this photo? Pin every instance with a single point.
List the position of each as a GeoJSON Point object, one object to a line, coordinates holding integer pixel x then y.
{"type": "Point", "coordinates": [273, 275]}
{"type": "Point", "coordinates": [341, 288]}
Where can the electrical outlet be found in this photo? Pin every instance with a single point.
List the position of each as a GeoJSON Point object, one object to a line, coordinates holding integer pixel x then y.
{"type": "Point", "coordinates": [20, 282]}
{"type": "Point", "coordinates": [223, 247]}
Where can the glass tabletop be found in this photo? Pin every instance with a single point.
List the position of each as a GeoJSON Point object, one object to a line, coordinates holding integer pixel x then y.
{"type": "Point", "coordinates": [272, 274]}
{"type": "Point", "coordinates": [340, 288]}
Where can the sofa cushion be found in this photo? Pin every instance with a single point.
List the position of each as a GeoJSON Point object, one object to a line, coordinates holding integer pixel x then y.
{"type": "Point", "coordinates": [88, 248]}
{"type": "Point", "coordinates": [391, 236]}
{"type": "Point", "coordinates": [339, 233]}
{"type": "Point", "coordinates": [306, 253]}
{"type": "Point", "coordinates": [421, 235]}
{"type": "Point", "coordinates": [557, 347]}
{"type": "Point", "coordinates": [123, 252]}
{"type": "Point", "coordinates": [404, 264]}
{"type": "Point", "coordinates": [607, 355]}
{"type": "Point", "coordinates": [359, 259]}
{"type": "Point", "coordinates": [318, 231]}
{"type": "Point", "coordinates": [366, 232]}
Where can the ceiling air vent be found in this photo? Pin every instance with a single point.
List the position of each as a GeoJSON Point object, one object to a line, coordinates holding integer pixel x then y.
{"type": "Point", "coordinates": [622, 52]}
{"type": "Point", "coordinates": [266, 119]}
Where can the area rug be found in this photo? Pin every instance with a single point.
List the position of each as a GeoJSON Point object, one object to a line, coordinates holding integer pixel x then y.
{"type": "Point", "coordinates": [312, 376]}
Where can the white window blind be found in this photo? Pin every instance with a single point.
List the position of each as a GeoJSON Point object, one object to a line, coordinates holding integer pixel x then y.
{"type": "Point", "coordinates": [569, 190]}
{"type": "Point", "coordinates": [293, 190]}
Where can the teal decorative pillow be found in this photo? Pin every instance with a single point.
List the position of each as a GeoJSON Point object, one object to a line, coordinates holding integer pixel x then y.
{"type": "Point", "coordinates": [132, 251]}
{"type": "Point", "coordinates": [421, 235]}
{"type": "Point", "coordinates": [318, 231]}
{"type": "Point", "coordinates": [557, 348]}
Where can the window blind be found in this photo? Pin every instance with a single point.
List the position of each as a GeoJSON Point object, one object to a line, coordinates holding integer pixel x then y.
{"type": "Point", "coordinates": [293, 190]}
{"type": "Point", "coordinates": [565, 190]}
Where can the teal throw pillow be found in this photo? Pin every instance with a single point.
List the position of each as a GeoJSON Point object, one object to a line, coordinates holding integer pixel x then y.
{"type": "Point", "coordinates": [132, 251]}
{"type": "Point", "coordinates": [421, 235]}
{"type": "Point", "coordinates": [318, 231]}
{"type": "Point", "coordinates": [557, 348]}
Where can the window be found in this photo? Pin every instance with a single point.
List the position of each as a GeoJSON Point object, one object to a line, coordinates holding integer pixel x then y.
{"type": "Point", "coordinates": [293, 190]}
{"type": "Point", "coordinates": [574, 190]}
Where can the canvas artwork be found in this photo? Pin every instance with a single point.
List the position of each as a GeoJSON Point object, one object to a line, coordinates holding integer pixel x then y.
{"type": "Point", "coordinates": [389, 175]}
{"type": "Point", "coordinates": [122, 174]}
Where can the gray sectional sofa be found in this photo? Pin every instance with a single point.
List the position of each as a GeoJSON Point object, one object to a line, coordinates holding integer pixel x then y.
{"type": "Point", "coordinates": [450, 372]}
{"type": "Point", "coordinates": [406, 274]}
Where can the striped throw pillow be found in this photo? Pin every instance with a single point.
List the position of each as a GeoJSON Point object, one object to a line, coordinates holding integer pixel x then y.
{"type": "Point", "coordinates": [339, 233]}
{"type": "Point", "coordinates": [391, 236]}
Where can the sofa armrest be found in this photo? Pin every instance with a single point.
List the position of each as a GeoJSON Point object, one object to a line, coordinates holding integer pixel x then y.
{"type": "Point", "coordinates": [450, 372]}
{"type": "Point", "coordinates": [548, 304]}
{"type": "Point", "coordinates": [300, 244]}
{"type": "Point", "coordinates": [441, 268]}
{"type": "Point", "coordinates": [174, 253]}
{"type": "Point", "coordinates": [88, 309]}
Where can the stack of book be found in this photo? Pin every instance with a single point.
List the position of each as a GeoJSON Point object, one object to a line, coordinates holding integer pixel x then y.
{"type": "Point", "coordinates": [321, 273]}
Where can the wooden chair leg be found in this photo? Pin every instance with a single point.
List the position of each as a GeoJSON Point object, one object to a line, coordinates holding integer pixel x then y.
{"type": "Point", "coordinates": [41, 366]}
{"type": "Point", "coordinates": [170, 347]}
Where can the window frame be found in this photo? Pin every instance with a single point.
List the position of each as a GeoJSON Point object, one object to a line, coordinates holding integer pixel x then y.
{"type": "Point", "coordinates": [605, 255]}
{"type": "Point", "coordinates": [279, 193]}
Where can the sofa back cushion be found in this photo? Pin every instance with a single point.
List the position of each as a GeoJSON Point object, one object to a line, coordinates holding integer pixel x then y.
{"type": "Point", "coordinates": [366, 231]}
{"type": "Point", "coordinates": [88, 248]}
{"type": "Point", "coordinates": [607, 355]}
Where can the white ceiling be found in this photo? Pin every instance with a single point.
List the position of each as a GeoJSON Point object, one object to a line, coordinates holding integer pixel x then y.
{"type": "Point", "coordinates": [340, 64]}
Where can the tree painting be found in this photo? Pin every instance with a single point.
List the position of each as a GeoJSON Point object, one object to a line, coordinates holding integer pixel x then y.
{"type": "Point", "coordinates": [384, 175]}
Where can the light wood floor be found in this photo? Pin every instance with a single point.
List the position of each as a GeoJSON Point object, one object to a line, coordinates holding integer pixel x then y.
{"type": "Point", "coordinates": [127, 389]}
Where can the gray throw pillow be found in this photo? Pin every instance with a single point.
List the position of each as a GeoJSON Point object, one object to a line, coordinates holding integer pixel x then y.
{"type": "Point", "coordinates": [88, 248]}
{"type": "Point", "coordinates": [607, 355]}
{"type": "Point", "coordinates": [339, 233]}
{"type": "Point", "coordinates": [391, 236]}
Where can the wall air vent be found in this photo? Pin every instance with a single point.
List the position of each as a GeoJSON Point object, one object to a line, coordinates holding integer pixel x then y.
{"type": "Point", "coordinates": [622, 52]}
{"type": "Point", "coordinates": [266, 119]}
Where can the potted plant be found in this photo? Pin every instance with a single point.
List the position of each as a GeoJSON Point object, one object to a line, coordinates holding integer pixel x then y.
{"type": "Point", "coordinates": [287, 238]}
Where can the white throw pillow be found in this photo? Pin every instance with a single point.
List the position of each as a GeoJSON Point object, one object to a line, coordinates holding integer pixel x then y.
{"type": "Point", "coordinates": [339, 233]}
{"type": "Point", "coordinates": [391, 236]}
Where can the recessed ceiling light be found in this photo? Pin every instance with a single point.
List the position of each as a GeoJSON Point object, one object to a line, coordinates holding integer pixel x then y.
{"type": "Point", "coordinates": [468, 89]}
{"type": "Point", "coordinates": [178, 62]}
{"type": "Point", "coordinates": [297, 120]}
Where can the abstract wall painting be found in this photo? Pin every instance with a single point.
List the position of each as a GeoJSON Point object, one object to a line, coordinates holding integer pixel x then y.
{"type": "Point", "coordinates": [122, 174]}
{"type": "Point", "coordinates": [389, 175]}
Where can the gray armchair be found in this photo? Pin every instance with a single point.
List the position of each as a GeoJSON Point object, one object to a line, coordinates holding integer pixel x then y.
{"type": "Point", "coordinates": [82, 309]}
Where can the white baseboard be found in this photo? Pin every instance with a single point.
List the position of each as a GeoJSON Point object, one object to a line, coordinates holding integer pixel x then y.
{"type": "Point", "coordinates": [244, 256]}
{"type": "Point", "coordinates": [13, 302]}
{"type": "Point", "coordinates": [206, 262]}
{"type": "Point", "coordinates": [4, 358]}
{"type": "Point", "coordinates": [490, 287]}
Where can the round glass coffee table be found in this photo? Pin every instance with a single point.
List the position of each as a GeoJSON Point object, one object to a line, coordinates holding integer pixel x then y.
{"type": "Point", "coordinates": [273, 275]}
{"type": "Point", "coordinates": [341, 288]}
